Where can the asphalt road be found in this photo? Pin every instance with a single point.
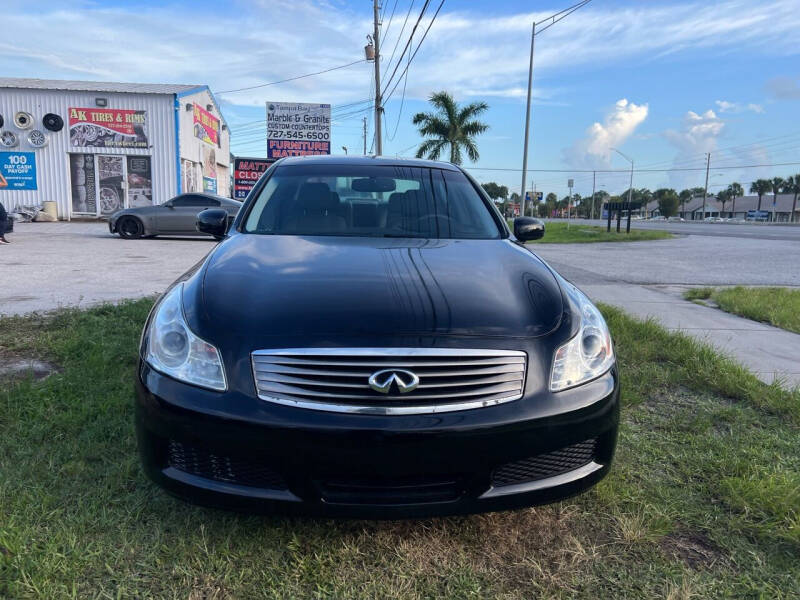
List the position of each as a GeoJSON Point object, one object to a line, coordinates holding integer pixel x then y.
{"type": "Point", "coordinates": [647, 280]}
{"type": "Point", "coordinates": [760, 231]}
{"type": "Point", "coordinates": [684, 260]}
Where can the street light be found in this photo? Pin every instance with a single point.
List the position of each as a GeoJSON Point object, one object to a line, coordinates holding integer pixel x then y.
{"type": "Point", "coordinates": [630, 187]}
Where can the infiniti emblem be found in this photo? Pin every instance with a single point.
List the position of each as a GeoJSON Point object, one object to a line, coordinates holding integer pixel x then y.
{"type": "Point", "coordinates": [381, 381]}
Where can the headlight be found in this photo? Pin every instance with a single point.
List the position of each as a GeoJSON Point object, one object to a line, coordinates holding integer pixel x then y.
{"type": "Point", "coordinates": [174, 350]}
{"type": "Point", "coordinates": [587, 355]}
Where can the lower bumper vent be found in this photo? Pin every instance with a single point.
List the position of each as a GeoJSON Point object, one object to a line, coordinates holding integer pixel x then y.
{"type": "Point", "coordinates": [202, 463]}
{"type": "Point", "coordinates": [394, 492]}
{"type": "Point", "coordinates": [545, 465]}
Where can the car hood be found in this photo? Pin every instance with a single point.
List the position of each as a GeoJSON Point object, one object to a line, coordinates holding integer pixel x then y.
{"type": "Point", "coordinates": [333, 287]}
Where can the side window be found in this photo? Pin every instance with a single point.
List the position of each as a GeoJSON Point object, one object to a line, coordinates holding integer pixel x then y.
{"type": "Point", "coordinates": [194, 200]}
{"type": "Point", "coordinates": [185, 200]}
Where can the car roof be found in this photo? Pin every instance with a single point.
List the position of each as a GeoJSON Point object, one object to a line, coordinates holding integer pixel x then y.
{"type": "Point", "coordinates": [213, 196]}
{"type": "Point", "coordinates": [387, 161]}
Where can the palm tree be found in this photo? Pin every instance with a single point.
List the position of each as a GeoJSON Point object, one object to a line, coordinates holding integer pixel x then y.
{"type": "Point", "coordinates": [684, 196]}
{"type": "Point", "coordinates": [723, 196]}
{"type": "Point", "coordinates": [760, 187]}
{"type": "Point", "coordinates": [451, 125]}
{"type": "Point", "coordinates": [793, 186]}
{"type": "Point", "coordinates": [735, 191]}
{"type": "Point", "coordinates": [778, 183]}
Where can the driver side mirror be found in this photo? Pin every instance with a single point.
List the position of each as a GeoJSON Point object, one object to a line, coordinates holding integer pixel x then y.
{"type": "Point", "coordinates": [528, 228]}
{"type": "Point", "coordinates": [213, 221]}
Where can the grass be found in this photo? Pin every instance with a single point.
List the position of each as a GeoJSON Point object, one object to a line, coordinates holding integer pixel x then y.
{"type": "Point", "coordinates": [557, 233]}
{"type": "Point", "coordinates": [702, 501]}
{"type": "Point", "coordinates": [774, 305]}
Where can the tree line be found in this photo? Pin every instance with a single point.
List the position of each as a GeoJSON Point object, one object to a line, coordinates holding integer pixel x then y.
{"type": "Point", "coordinates": [452, 128]}
{"type": "Point", "coordinates": [670, 202]}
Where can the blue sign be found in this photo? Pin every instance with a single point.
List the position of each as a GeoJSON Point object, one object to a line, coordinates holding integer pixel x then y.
{"type": "Point", "coordinates": [17, 171]}
{"type": "Point", "coordinates": [538, 196]}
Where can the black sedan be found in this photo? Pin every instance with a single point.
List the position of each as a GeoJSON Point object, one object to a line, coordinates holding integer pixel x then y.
{"type": "Point", "coordinates": [177, 216]}
{"type": "Point", "coordinates": [369, 339]}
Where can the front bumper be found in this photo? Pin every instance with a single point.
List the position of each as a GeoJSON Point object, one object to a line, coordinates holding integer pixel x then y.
{"type": "Point", "coordinates": [240, 452]}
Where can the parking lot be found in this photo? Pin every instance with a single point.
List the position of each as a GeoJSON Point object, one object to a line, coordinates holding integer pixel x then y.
{"type": "Point", "coordinates": [48, 265]}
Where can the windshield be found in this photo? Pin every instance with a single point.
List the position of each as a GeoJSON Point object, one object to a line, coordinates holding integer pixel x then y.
{"type": "Point", "coordinates": [381, 201]}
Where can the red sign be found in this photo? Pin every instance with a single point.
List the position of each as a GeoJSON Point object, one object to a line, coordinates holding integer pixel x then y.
{"type": "Point", "coordinates": [247, 172]}
{"type": "Point", "coordinates": [206, 126]}
{"type": "Point", "coordinates": [103, 127]}
{"type": "Point", "coordinates": [281, 148]}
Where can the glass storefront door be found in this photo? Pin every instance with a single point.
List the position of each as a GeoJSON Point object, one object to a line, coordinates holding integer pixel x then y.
{"type": "Point", "coordinates": [110, 183]}
{"type": "Point", "coordinates": [140, 182]}
{"type": "Point", "coordinates": [83, 183]}
{"type": "Point", "coordinates": [102, 184]}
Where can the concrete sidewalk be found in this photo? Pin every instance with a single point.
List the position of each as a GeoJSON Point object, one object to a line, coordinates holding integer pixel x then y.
{"type": "Point", "coordinates": [767, 351]}
{"type": "Point", "coordinates": [647, 279]}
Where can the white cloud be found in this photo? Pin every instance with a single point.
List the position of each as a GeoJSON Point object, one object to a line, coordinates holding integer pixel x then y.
{"type": "Point", "coordinates": [735, 107]}
{"type": "Point", "coordinates": [466, 50]}
{"type": "Point", "coordinates": [594, 150]}
{"type": "Point", "coordinates": [698, 135]}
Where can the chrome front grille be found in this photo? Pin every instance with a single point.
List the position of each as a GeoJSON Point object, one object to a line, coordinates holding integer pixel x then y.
{"type": "Point", "coordinates": [337, 379]}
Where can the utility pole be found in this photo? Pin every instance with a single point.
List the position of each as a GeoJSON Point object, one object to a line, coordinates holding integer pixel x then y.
{"type": "Point", "coordinates": [569, 199]}
{"type": "Point", "coordinates": [630, 191]}
{"type": "Point", "coordinates": [527, 120]}
{"type": "Point", "coordinates": [705, 191]}
{"type": "Point", "coordinates": [378, 108]}
{"type": "Point", "coordinates": [594, 186]}
{"type": "Point", "coordinates": [365, 136]}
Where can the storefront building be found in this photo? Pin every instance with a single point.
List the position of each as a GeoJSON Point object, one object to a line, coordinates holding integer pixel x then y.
{"type": "Point", "coordinates": [95, 148]}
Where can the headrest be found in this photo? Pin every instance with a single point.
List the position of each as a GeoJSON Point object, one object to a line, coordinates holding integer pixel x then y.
{"type": "Point", "coordinates": [414, 195]}
{"type": "Point", "coordinates": [317, 197]}
{"type": "Point", "coordinates": [396, 201]}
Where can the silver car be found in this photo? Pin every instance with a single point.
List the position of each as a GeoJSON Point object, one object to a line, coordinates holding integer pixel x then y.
{"type": "Point", "coordinates": [175, 217]}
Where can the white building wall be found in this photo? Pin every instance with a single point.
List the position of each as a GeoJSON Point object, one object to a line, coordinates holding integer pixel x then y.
{"type": "Point", "coordinates": [192, 148]}
{"type": "Point", "coordinates": [52, 161]}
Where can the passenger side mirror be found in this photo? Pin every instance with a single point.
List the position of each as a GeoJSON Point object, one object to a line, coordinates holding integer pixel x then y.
{"type": "Point", "coordinates": [168, 204]}
{"type": "Point", "coordinates": [528, 228]}
{"type": "Point", "coordinates": [213, 221]}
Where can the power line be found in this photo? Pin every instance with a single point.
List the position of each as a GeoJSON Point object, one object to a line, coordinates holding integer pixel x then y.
{"type": "Point", "coordinates": [627, 171]}
{"type": "Point", "coordinates": [568, 12]}
{"type": "Point", "coordinates": [411, 59]}
{"type": "Point", "coordinates": [253, 87]}
{"type": "Point", "coordinates": [399, 112]}
{"type": "Point", "coordinates": [402, 104]}
{"type": "Point", "coordinates": [389, 24]}
{"type": "Point", "coordinates": [405, 49]}
{"type": "Point", "coordinates": [400, 36]}
{"type": "Point", "coordinates": [400, 152]}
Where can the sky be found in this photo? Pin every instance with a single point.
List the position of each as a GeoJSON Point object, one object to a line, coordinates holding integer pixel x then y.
{"type": "Point", "coordinates": [664, 82]}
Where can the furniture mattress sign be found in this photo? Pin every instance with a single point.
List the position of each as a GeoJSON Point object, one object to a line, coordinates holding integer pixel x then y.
{"type": "Point", "coordinates": [17, 171]}
{"type": "Point", "coordinates": [298, 129]}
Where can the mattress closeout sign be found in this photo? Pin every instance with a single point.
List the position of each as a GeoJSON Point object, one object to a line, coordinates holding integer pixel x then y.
{"type": "Point", "coordinates": [247, 172]}
{"type": "Point", "coordinates": [298, 129]}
